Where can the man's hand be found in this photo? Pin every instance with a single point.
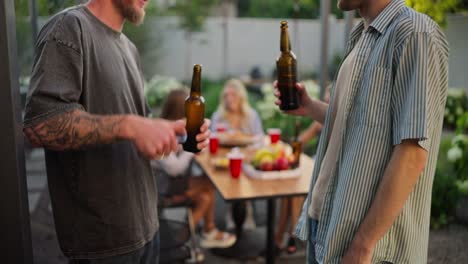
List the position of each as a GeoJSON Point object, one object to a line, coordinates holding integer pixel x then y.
{"type": "Point", "coordinates": [357, 254]}
{"type": "Point", "coordinates": [203, 137]}
{"type": "Point", "coordinates": [309, 107]}
{"type": "Point", "coordinates": [304, 100]}
{"type": "Point", "coordinates": [154, 138]}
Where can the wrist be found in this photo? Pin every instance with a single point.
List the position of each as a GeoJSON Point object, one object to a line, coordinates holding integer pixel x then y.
{"type": "Point", "coordinates": [127, 130]}
{"type": "Point", "coordinates": [361, 244]}
{"type": "Point", "coordinates": [310, 107]}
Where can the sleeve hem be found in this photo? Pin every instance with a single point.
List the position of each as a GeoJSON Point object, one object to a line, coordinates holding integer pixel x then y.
{"type": "Point", "coordinates": [32, 121]}
{"type": "Point", "coordinates": [423, 141]}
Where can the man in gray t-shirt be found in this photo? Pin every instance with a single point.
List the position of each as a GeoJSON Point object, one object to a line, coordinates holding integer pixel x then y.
{"type": "Point", "coordinates": [86, 107]}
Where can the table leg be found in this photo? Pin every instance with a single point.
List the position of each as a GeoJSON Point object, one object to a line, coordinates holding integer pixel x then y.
{"type": "Point", "coordinates": [239, 212]}
{"type": "Point", "coordinates": [270, 256]}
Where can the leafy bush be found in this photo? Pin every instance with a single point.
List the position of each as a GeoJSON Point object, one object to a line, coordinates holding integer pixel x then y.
{"type": "Point", "coordinates": [157, 89]}
{"type": "Point", "coordinates": [456, 106]}
{"type": "Point", "coordinates": [444, 199]}
{"type": "Point", "coordinates": [445, 192]}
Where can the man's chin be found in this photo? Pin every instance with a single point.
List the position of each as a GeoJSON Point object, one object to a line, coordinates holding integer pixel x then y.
{"type": "Point", "coordinates": [346, 6]}
{"type": "Point", "coordinates": [136, 19]}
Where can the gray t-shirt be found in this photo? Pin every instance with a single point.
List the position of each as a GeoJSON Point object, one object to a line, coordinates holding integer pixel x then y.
{"type": "Point", "coordinates": [104, 198]}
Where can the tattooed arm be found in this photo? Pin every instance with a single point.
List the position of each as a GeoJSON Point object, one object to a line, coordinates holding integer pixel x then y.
{"type": "Point", "coordinates": [76, 130]}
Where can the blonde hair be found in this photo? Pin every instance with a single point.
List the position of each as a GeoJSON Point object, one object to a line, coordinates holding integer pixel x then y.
{"type": "Point", "coordinates": [239, 88]}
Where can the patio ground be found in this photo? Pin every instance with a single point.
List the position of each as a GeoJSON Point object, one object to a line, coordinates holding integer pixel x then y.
{"type": "Point", "coordinates": [446, 246]}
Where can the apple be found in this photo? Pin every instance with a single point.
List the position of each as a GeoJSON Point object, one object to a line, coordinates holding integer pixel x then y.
{"type": "Point", "coordinates": [282, 163]}
{"type": "Point", "coordinates": [266, 166]}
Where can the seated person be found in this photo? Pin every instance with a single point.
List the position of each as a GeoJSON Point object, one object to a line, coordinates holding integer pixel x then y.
{"type": "Point", "coordinates": [200, 190]}
{"type": "Point", "coordinates": [236, 114]}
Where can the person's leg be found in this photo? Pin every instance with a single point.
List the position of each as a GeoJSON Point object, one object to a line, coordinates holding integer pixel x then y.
{"type": "Point", "coordinates": [203, 196]}
{"type": "Point", "coordinates": [208, 218]}
{"type": "Point", "coordinates": [203, 192]}
{"type": "Point", "coordinates": [201, 204]}
{"type": "Point", "coordinates": [283, 221]}
{"type": "Point", "coordinates": [151, 252]}
{"type": "Point", "coordinates": [296, 207]}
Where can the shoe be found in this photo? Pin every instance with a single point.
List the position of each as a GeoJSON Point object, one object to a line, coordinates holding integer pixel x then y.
{"type": "Point", "coordinates": [212, 239]}
{"type": "Point", "coordinates": [291, 248]}
{"type": "Point", "coordinates": [196, 256]}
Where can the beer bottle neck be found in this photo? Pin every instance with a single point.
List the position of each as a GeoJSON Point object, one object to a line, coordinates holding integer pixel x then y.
{"type": "Point", "coordinates": [285, 42]}
{"type": "Point", "coordinates": [195, 90]}
{"type": "Point", "coordinates": [296, 131]}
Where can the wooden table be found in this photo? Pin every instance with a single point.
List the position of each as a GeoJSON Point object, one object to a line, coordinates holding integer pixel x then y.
{"type": "Point", "coordinates": [246, 188]}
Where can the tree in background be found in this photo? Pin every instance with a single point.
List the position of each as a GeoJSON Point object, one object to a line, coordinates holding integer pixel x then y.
{"type": "Point", "coordinates": [438, 9]}
{"type": "Point", "coordinates": [192, 15]}
{"type": "Point", "coordinates": [306, 9]}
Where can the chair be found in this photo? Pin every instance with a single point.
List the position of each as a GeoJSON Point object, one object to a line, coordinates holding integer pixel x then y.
{"type": "Point", "coordinates": [175, 234]}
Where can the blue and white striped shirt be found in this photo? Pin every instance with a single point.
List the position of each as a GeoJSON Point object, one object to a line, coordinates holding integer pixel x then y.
{"type": "Point", "coordinates": [398, 91]}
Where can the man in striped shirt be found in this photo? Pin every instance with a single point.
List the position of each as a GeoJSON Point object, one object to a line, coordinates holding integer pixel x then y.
{"type": "Point", "coordinates": [370, 193]}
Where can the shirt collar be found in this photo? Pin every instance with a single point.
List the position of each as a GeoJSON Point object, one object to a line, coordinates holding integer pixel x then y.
{"type": "Point", "coordinates": [381, 22]}
{"type": "Point", "coordinates": [387, 15]}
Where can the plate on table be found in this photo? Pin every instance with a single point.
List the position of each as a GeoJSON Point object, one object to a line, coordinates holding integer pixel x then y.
{"type": "Point", "coordinates": [231, 140]}
{"type": "Point", "coordinates": [250, 171]}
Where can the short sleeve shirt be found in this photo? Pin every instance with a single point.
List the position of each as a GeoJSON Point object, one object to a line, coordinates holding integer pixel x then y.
{"type": "Point", "coordinates": [398, 91]}
{"type": "Point", "coordinates": [104, 198]}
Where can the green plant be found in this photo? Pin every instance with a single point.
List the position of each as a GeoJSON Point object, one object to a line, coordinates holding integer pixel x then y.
{"type": "Point", "coordinates": [304, 9]}
{"type": "Point", "coordinates": [463, 187]}
{"type": "Point", "coordinates": [456, 106]}
{"type": "Point", "coordinates": [445, 193]}
{"type": "Point", "coordinates": [157, 89]}
{"type": "Point", "coordinates": [437, 9]}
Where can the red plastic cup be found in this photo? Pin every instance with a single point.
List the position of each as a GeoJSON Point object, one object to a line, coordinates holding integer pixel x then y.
{"type": "Point", "coordinates": [235, 164]}
{"type": "Point", "coordinates": [220, 128]}
{"type": "Point", "coordinates": [214, 143]}
{"type": "Point", "coordinates": [275, 135]}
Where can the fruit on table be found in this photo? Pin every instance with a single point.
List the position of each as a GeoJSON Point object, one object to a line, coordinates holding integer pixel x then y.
{"type": "Point", "coordinates": [267, 166]}
{"type": "Point", "coordinates": [262, 153]}
{"type": "Point", "coordinates": [273, 158]}
{"type": "Point", "coordinates": [281, 163]}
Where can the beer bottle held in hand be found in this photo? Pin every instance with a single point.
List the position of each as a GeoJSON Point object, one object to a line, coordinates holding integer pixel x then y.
{"type": "Point", "coordinates": [296, 146]}
{"type": "Point", "coordinates": [194, 111]}
{"type": "Point", "coordinates": [287, 72]}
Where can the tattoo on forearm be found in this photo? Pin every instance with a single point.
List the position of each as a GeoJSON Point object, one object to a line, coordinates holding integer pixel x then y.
{"type": "Point", "coordinates": [74, 130]}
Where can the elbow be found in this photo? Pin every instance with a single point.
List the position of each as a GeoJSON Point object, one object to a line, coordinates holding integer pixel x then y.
{"type": "Point", "coordinates": [32, 138]}
{"type": "Point", "coordinates": [420, 160]}
{"type": "Point", "coordinates": [416, 156]}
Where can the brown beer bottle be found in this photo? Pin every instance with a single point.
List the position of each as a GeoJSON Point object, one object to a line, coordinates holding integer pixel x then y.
{"type": "Point", "coordinates": [296, 146]}
{"type": "Point", "coordinates": [194, 111]}
{"type": "Point", "coordinates": [287, 72]}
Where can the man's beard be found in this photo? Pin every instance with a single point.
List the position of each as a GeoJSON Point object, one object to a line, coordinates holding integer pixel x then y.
{"type": "Point", "coordinates": [348, 5]}
{"type": "Point", "coordinates": [129, 12]}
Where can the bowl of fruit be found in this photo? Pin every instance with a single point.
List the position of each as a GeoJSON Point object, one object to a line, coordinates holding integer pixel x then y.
{"type": "Point", "coordinates": [272, 162]}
